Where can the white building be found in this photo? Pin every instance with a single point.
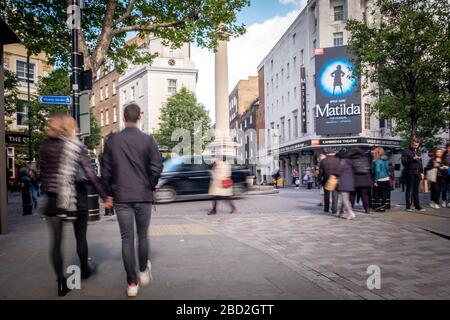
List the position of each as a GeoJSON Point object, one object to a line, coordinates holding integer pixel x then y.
{"type": "Point", "coordinates": [290, 89]}
{"type": "Point", "coordinates": [151, 85]}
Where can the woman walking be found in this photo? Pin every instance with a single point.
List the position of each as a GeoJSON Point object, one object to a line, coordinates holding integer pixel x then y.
{"type": "Point", "coordinates": [345, 186]}
{"type": "Point", "coordinates": [382, 187]}
{"type": "Point", "coordinates": [60, 156]}
{"type": "Point", "coordinates": [221, 186]}
{"type": "Point", "coordinates": [34, 184]}
{"type": "Point", "coordinates": [439, 169]}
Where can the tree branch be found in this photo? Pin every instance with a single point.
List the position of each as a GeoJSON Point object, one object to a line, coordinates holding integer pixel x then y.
{"type": "Point", "coordinates": [148, 27]}
{"type": "Point", "coordinates": [126, 14]}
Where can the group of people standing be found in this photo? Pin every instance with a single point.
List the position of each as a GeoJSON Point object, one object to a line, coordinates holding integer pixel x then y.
{"type": "Point", "coordinates": [130, 170]}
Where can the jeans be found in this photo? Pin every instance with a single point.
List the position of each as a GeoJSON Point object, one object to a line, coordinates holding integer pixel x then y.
{"type": "Point", "coordinates": [326, 199]}
{"type": "Point", "coordinates": [34, 195]}
{"type": "Point", "coordinates": [412, 190]}
{"type": "Point", "coordinates": [127, 214]}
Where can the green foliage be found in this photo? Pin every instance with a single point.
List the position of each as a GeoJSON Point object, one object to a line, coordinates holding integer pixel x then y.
{"type": "Point", "coordinates": [404, 48]}
{"type": "Point", "coordinates": [41, 24]}
{"type": "Point", "coordinates": [11, 94]}
{"type": "Point", "coordinates": [181, 112]}
{"type": "Point", "coordinates": [94, 139]}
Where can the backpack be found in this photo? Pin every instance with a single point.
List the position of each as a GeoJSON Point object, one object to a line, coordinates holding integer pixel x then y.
{"type": "Point", "coordinates": [361, 165]}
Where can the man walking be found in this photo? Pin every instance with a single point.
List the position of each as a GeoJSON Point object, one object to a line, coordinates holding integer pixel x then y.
{"type": "Point", "coordinates": [131, 166]}
{"type": "Point", "coordinates": [328, 167]}
{"type": "Point", "coordinates": [412, 162]}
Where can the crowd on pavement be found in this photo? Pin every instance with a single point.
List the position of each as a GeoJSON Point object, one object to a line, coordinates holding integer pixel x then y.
{"type": "Point", "coordinates": [350, 175]}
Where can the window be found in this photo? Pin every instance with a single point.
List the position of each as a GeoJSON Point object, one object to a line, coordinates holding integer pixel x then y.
{"type": "Point", "coordinates": [251, 119]}
{"type": "Point", "coordinates": [282, 76]}
{"type": "Point", "coordinates": [114, 114]}
{"type": "Point", "coordinates": [267, 89]}
{"type": "Point", "coordinates": [389, 124]}
{"type": "Point", "coordinates": [106, 92]}
{"type": "Point", "coordinates": [114, 89]}
{"type": "Point", "coordinates": [289, 130]}
{"type": "Point", "coordinates": [302, 57]}
{"type": "Point", "coordinates": [367, 116]}
{"type": "Point", "coordinates": [288, 70]}
{"type": "Point", "coordinates": [124, 96]}
{"type": "Point", "coordinates": [277, 79]}
{"type": "Point", "coordinates": [93, 100]}
{"type": "Point", "coordinates": [338, 39]}
{"type": "Point", "coordinates": [137, 89]}
{"type": "Point", "coordinates": [101, 119]}
{"type": "Point", "coordinates": [171, 86]}
{"type": "Point", "coordinates": [282, 130]}
{"type": "Point", "coordinates": [101, 94]}
{"type": "Point", "coordinates": [133, 93]}
{"type": "Point", "coordinates": [21, 113]}
{"type": "Point", "coordinates": [295, 93]}
{"type": "Point", "coordinates": [294, 36]}
{"type": "Point", "coordinates": [289, 97]}
{"type": "Point", "coordinates": [107, 117]}
{"type": "Point", "coordinates": [338, 13]}
{"type": "Point", "coordinates": [295, 124]}
{"type": "Point", "coordinates": [295, 65]}
{"type": "Point", "coordinates": [271, 65]}
{"type": "Point", "coordinates": [282, 101]}
{"type": "Point", "coordinates": [22, 72]}
{"type": "Point", "coordinates": [314, 44]}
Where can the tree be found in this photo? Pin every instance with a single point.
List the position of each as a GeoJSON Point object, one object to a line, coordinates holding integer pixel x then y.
{"type": "Point", "coordinates": [403, 54]}
{"type": "Point", "coordinates": [105, 23]}
{"type": "Point", "coordinates": [181, 112]}
{"type": "Point", "coordinates": [94, 139]}
{"type": "Point", "coordinates": [11, 95]}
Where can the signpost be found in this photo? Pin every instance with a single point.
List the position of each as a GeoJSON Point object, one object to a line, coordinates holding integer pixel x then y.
{"type": "Point", "coordinates": [67, 100]}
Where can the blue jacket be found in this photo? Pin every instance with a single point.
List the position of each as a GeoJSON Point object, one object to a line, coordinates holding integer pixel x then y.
{"type": "Point", "coordinates": [381, 168]}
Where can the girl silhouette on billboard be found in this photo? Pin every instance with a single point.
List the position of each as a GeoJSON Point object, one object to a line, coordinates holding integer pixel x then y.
{"type": "Point", "coordinates": [337, 75]}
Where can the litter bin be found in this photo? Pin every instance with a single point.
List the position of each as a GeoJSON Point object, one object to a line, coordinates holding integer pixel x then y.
{"type": "Point", "coordinates": [93, 203]}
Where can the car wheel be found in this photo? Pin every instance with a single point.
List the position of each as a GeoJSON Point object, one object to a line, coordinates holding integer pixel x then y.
{"type": "Point", "coordinates": [165, 195]}
{"type": "Point", "coordinates": [238, 190]}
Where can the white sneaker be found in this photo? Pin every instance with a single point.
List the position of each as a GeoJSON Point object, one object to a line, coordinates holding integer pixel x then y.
{"type": "Point", "coordinates": [434, 205]}
{"type": "Point", "coordinates": [146, 276]}
{"type": "Point", "coordinates": [132, 290]}
{"type": "Point", "coordinates": [443, 204]}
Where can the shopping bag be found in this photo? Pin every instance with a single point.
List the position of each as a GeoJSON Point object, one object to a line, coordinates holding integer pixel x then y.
{"type": "Point", "coordinates": [331, 183]}
{"type": "Point", "coordinates": [432, 175]}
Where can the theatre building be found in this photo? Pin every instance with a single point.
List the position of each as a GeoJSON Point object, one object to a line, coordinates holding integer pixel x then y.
{"type": "Point", "coordinates": [313, 102]}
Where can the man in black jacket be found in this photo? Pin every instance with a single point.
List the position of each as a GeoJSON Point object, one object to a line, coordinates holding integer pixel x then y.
{"type": "Point", "coordinates": [328, 167]}
{"type": "Point", "coordinates": [413, 167]}
{"type": "Point", "coordinates": [131, 166]}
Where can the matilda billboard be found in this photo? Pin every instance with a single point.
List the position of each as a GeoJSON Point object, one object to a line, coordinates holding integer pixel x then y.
{"type": "Point", "coordinates": [338, 98]}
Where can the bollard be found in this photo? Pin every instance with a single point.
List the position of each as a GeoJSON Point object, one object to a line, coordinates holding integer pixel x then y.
{"type": "Point", "coordinates": [93, 203]}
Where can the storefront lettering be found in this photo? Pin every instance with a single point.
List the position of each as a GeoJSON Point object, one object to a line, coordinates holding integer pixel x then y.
{"type": "Point", "coordinates": [338, 111]}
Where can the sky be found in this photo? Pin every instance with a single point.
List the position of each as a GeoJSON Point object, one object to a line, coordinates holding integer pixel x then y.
{"type": "Point", "coordinates": [261, 18]}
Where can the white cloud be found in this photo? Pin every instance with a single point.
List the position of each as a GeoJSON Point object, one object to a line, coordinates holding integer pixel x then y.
{"type": "Point", "coordinates": [299, 3]}
{"type": "Point", "coordinates": [244, 56]}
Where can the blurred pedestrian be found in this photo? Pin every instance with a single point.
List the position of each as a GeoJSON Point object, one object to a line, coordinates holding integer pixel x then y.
{"type": "Point", "coordinates": [346, 186]}
{"type": "Point", "coordinates": [60, 156]}
{"type": "Point", "coordinates": [437, 171]}
{"type": "Point", "coordinates": [328, 167]}
{"type": "Point", "coordinates": [221, 185]}
{"type": "Point", "coordinates": [295, 176]}
{"type": "Point", "coordinates": [412, 161]}
{"type": "Point", "coordinates": [362, 177]}
{"type": "Point", "coordinates": [34, 184]}
{"type": "Point", "coordinates": [131, 167]}
{"type": "Point", "coordinates": [25, 184]}
{"type": "Point", "coordinates": [275, 176]}
{"type": "Point", "coordinates": [447, 181]}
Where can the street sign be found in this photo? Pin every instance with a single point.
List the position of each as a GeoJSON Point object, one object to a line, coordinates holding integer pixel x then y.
{"type": "Point", "coordinates": [55, 100]}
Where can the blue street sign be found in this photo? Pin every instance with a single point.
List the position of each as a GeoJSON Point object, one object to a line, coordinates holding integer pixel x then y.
{"type": "Point", "coordinates": [55, 99]}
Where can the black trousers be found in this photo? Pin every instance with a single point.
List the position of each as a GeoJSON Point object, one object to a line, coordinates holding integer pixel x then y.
{"type": "Point", "coordinates": [382, 195]}
{"type": "Point", "coordinates": [439, 190]}
{"type": "Point", "coordinates": [330, 195]}
{"type": "Point", "coordinates": [412, 190]}
{"type": "Point", "coordinates": [56, 229]}
{"type": "Point", "coordinates": [363, 193]}
{"type": "Point", "coordinates": [227, 199]}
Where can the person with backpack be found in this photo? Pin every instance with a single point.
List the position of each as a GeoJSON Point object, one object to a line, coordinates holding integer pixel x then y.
{"type": "Point", "coordinates": [381, 178]}
{"type": "Point", "coordinates": [362, 177]}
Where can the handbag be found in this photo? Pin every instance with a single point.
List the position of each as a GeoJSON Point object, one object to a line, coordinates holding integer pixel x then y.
{"type": "Point", "coordinates": [227, 183]}
{"type": "Point", "coordinates": [432, 175]}
{"type": "Point", "coordinates": [331, 183]}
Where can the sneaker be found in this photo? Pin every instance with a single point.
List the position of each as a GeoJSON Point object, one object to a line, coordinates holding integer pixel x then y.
{"type": "Point", "coordinates": [409, 210]}
{"type": "Point", "coordinates": [443, 204]}
{"type": "Point", "coordinates": [132, 290]}
{"type": "Point", "coordinates": [421, 209]}
{"type": "Point", "coordinates": [146, 276]}
{"type": "Point", "coordinates": [434, 205]}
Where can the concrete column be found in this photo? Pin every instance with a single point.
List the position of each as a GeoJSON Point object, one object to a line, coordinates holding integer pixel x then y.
{"type": "Point", "coordinates": [221, 86]}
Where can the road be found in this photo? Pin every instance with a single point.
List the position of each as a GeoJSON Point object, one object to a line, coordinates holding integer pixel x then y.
{"type": "Point", "coordinates": [279, 246]}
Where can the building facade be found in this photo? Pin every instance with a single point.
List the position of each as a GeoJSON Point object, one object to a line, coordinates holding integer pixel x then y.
{"type": "Point", "coordinates": [311, 108]}
{"type": "Point", "coordinates": [105, 104]}
{"type": "Point", "coordinates": [151, 85]}
{"type": "Point", "coordinates": [241, 97]}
